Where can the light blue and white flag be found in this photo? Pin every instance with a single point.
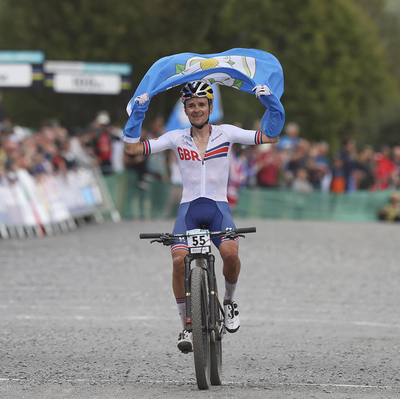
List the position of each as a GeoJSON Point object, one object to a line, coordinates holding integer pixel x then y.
{"type": "Point", "coordinates": [179, 120]}
{"type": "Point", "coordinates": [238, 68]}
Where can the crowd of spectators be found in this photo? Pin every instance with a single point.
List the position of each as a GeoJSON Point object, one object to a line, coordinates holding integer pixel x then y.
{"type": "Point", "coordinates": [304, 165]}
{"type": "Point", "coordinates": [294, 162]}
{"type": "Point", "coordinates": [52, 149]}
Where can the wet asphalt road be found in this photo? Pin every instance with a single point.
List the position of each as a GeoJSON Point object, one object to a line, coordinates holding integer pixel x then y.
{"type": "Point", "coordinates": [90, 314]}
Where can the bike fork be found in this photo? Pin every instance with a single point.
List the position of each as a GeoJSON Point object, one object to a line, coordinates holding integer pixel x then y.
{"type": "Point", "coordinates": [212, 292]}
{"type": "Point", "coordinates": [188, 301]}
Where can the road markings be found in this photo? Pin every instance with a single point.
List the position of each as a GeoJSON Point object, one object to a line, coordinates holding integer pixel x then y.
{"type": "Point", "coordinates": [252, 321]}
{"type": "Point", "coordinates": [225, 383]}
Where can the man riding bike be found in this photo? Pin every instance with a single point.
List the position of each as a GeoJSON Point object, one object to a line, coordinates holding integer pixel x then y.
{"type": "Point", "coordinates": [203, 152]}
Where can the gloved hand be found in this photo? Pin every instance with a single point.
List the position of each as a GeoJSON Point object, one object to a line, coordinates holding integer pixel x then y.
{"type": "Point", "coordinates": [142, 99]}
{"type": "Point", "coordinates": [262, 90]}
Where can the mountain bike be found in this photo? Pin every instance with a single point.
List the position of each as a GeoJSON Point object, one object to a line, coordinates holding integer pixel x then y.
{"type": "Point", "coordinates": [204, 309]}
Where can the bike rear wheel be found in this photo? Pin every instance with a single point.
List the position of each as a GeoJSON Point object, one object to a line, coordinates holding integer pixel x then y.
{"type": "Point", "coordinates": [216, 344]}
{"type": "Point", "coordinates": [200, 327]}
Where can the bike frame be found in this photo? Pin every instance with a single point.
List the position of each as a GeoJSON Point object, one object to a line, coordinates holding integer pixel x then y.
{"type": "Point", "coordinates": [168, 239]}
{"type": "Point", "coordinates": [206, 329]}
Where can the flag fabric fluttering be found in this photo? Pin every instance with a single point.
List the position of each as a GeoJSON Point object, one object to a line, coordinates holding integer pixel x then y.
{"type": "Point", "coordinates": [239, 68]}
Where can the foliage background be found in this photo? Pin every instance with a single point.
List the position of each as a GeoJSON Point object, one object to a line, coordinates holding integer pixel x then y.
{"type": "Point", "coordinates": [341, 58]}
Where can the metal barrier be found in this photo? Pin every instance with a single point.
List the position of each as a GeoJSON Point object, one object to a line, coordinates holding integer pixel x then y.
{"type": "Point", "coordinates": [34, 206]}
{"type": "Point", "coordinates": [137, 199]}
{"type": "Point", "coordinates": [358, 206]}
{"type": "Point", "coordinates": [143, 198]}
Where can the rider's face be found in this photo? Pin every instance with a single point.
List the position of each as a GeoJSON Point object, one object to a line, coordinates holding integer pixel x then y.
{"type": "Point", "coordinates": [198, 110]}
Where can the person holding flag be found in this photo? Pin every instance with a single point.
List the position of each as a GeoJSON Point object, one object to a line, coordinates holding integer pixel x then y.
{"type": "Point", "coordinates": [203, 150]}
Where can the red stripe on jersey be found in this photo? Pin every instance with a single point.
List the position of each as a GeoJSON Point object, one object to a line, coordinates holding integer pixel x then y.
{"type": "Point", "coordinates": [215, 152]}
{"type": "Point", "coordinates": [146, 148]}
{"type": "Point", "coordinates": [258, 138]}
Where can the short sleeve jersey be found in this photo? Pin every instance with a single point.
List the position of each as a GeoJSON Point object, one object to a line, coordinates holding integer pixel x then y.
{"type": "Point", "coordinates": [206, 177]}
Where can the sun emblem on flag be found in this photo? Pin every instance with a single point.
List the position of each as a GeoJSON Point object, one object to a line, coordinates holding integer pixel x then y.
{"type": "Point", "coordinates": [209, 63]}
{"type": "Point", "coordinates": [246, 65]}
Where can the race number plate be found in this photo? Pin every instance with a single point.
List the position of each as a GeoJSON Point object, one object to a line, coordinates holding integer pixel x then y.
{"type": "Point", "coordinates": [199, 241]}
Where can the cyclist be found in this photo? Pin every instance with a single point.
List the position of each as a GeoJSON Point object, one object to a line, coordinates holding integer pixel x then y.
{"type": "Point", "coordinates": [203, 156]}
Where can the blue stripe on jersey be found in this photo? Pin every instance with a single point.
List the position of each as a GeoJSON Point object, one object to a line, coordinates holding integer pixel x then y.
{"type": "Point", "coordinates": [217, 152]}
{"type": "Point", "coordinates": [216, 156]}
{"type": "Point", "coordinates": [218, 146]}
{"type": "Point", "coordinates": [258, 138]}
{"type": "Point", "coordinates": [146, 147]}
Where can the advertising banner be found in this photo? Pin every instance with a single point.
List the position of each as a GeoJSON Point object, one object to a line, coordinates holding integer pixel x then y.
{"type": "Point", "coordinates": [21, 69]}
{"type": "Point", "coordinates": [87, 77]}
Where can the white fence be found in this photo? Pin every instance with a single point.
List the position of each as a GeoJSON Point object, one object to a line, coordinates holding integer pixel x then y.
{"type": "Point", "coordinates": [47, 204]}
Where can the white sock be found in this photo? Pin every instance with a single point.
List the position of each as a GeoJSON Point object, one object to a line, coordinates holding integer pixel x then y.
{"type": "Point", "coordinates": [182, 311]}
{"type": "Point", "coordinates": [230, 287]}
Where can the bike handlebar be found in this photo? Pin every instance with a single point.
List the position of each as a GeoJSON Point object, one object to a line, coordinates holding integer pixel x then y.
{"type": "Point", "coordinates": [242, 230]}
{"type": "Point", "coordinates": [150, 235]}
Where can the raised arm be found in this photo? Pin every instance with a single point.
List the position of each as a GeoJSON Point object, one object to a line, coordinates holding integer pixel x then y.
{"type": "Point", "coordinates": [132, 129]}
{"type": "Point", "coordinates": [134, 148]}
{"type": "Point", "coordinates": [266, 139]}
{"type": "Point", "coordinates": [274, 118]}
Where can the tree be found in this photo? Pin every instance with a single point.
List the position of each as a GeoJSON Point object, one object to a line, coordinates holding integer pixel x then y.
{"type": "Point", "coordinates": [386, 15]}
{"type": "Point", "coordinates": [137, 32]}
{"type": "Point", "coordinates": [334, 63]}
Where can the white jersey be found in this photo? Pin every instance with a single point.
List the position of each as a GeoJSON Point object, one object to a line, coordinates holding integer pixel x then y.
{"type": "Point", "coordinates": [206, 177]}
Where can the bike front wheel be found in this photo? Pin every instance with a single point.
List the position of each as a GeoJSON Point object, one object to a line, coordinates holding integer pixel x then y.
{"type": "Point", "coordinates": [200, 326]}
